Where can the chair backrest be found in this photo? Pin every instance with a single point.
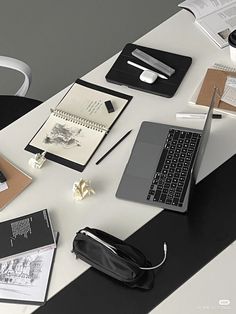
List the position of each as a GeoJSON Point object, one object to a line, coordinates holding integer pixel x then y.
{"type": "Point", "coordinates": [20, 66]}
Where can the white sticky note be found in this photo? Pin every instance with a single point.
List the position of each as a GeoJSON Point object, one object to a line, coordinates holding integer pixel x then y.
{"type": "Point", "coordinates": [229, 95]}
{"type": "Point", "coordinates": [3, 186]}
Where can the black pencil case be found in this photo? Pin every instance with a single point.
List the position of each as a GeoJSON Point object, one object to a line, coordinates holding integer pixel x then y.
{"type": "Point", "coordinates": [114, 257]}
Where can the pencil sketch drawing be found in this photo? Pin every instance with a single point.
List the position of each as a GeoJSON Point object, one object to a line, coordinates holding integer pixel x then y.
{"type": "Point", "coordinates": [63, 135]}
{"type": "Point", "coordinates": [21, 271]}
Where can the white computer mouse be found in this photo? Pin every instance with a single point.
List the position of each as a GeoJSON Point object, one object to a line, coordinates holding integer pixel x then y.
{"type": "Point", "coordinates": [148, 76]}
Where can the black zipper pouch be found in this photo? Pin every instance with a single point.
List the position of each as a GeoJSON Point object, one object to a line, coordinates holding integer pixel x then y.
{"type": "Point", "coordinates": [114, 257]}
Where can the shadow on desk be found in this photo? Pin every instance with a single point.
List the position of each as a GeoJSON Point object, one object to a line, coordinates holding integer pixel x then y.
{"type": "Point", "coordinates": [14, 107]}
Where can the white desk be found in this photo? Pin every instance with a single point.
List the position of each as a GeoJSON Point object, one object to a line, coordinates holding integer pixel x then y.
{"type": "Point", "coordinates": [52, 185]}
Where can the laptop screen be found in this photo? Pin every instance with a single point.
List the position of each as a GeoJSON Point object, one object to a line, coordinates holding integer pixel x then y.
{"type": "Point", "coordinates": [204, 136]}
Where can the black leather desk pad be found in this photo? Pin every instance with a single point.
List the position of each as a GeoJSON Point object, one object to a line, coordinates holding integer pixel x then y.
{"type": "Point", "coordinates": [124, 74]}
{"type": "Point", "coordinates": [194, 239]}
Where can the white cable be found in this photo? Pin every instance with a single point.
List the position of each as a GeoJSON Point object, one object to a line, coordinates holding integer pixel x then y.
{"type": "Point", "coordinates": [20, 66]}
{"type": "Point", "coordinates": [161, 263]}
{"type": "Point", "coordinates": [91, 235]}
{"type": "Point", "coordinates": [146, 69]}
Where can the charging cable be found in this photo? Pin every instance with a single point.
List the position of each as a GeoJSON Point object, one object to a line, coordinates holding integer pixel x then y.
{"type": "Point", "coordinates": [161, 263]}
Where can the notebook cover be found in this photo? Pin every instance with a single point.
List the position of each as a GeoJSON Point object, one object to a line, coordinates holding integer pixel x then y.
{"type": "Point", "coordinates": [186, 236]}
{"type": "Point", "coordinates": [214, 78]}
{"type": "Point", "coordinates": [25, 234]}
{"type": "Point", "coordinates": [69, 163]}
{"type": "Point", "coordinates": [17, 181]}
{"type": "Point", "coordinates": [125, 74]}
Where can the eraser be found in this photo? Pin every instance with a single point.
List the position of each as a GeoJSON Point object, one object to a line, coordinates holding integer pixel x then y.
{"type": "Point", "coordinates": [109, 106]}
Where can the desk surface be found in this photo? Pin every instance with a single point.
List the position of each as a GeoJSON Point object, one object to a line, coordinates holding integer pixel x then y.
{"type": "Point", "coordinates": [52, 185]}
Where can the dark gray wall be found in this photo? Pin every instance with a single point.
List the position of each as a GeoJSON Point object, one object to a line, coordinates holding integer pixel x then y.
{"type": "Point", "coordinates": [64, 39]}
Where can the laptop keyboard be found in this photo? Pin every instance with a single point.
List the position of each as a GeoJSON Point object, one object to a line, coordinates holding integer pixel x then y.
{"type": "Point", "coordinates": [171, 178]}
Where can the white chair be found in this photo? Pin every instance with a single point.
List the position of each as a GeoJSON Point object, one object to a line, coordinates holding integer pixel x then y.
{"type": "Point", "coordinates": [20, 66]}
{"type": "Point", "coordinates": [12, 107]}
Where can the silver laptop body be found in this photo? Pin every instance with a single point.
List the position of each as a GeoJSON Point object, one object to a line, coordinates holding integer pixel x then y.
{"type": "Point", "coordinates": [140, 170]}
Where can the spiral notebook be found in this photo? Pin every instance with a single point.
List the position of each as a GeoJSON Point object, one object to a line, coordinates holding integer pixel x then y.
{"type": "Point", "coordinates": [223, 77]}
{"type": "Point", "coordinates": [78, 124]}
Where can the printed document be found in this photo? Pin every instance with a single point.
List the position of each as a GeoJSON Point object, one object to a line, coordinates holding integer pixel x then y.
{"type": "Point", "coordinates": [216, 17]}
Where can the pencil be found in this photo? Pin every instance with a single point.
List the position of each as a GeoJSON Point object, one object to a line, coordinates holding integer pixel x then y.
{"type": "Point", "coordinates": [113, 147]}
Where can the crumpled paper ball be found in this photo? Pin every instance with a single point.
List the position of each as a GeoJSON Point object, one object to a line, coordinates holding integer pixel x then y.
{"type": "Point", "coordinates": [81, 189]}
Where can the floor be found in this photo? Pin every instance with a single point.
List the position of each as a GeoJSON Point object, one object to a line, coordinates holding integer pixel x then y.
{"type": "Point", "coordinates": [62, 40]}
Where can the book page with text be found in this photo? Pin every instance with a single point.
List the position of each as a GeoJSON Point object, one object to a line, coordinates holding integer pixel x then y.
{"type": "Point", "coordinates": [219, 25]}
{"type": "Point", "coordinates": [201, 8]}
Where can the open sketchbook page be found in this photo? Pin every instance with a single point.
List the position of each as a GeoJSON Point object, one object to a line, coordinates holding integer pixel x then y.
{"type": "Point", "coordinates": [79, 123]}
{"type": "Point", "coordinates": [68, 140]}
{"type": "Point", "coordinates": [89, 104]}
{"type": "Point", "coordinates": [25, 279]}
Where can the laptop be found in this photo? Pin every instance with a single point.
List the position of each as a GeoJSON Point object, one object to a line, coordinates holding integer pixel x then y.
{"type": "Point", "coordinates": [164, 164]}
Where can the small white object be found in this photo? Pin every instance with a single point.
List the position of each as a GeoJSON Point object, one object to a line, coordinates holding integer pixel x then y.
{"type": "Point", "coordinates": [147, 76]}
{"type": "Point", "coordinates": [229, 94]}
{"type": "Point", "coordinates": [186, 115]}
{"type": "Point", "coordinates": [232, 46]}
{"type": "Point", "coordinates": [3, 186]}
{"type": "Point", "coordinates": [81, 189]}
{"type": "Point", "coordinates": [232, 51]}
{"type": "Point", "coordinates": [37, 161]}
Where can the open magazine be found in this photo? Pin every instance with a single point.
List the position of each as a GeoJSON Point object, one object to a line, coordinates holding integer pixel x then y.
{"type": "Point", "coordinates": [216, 17]}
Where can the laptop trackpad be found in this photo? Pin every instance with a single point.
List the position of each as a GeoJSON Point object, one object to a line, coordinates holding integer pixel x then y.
{"type": "Point", "coordinates": [144, 159]}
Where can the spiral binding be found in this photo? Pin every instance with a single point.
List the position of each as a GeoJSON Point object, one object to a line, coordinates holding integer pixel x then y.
{"type": "Point", "coordinates": [79, 120]}
{"type": "Point", "coordinates": [223, 67]}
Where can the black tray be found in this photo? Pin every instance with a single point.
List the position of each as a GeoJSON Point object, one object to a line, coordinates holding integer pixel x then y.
{"type": "Point", "coordinates": [124, 74]}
